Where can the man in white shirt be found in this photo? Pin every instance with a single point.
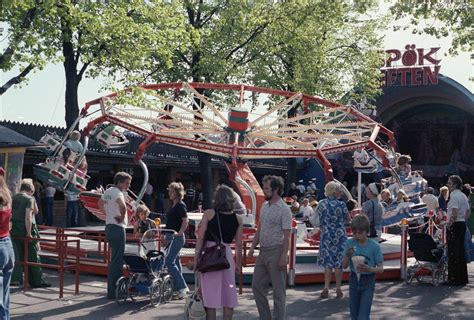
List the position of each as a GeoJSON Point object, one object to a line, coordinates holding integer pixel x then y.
{"type": "Point", "coordinates": [458, 205]}
{"type": "Point", "coordinates": [431, 200]}
{"type": "Point", "coordinates": [112, 203]}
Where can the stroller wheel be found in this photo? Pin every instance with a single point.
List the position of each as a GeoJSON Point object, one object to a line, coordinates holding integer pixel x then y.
{"type": "Point", "coordinates": [445, 275]}
{"type": "Point", "coordinates": [155, 292]}
{"type": "Point", "coordinates": [121, 290]}
{"type": "Point", "coordinates": [444, 270]}
{"type": "Point", "coordinates": [410, 276]}
{"type": "Point", "coordinates": [132, 291]}
{"type": "Point", "coordinates": [436, 277]}
{"type": "Point", "coordinates": [419, 278]}
{"type": "Point", "coordinates": [167, 289]}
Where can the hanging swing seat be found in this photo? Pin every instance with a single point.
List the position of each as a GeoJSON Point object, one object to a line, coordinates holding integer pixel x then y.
{"type": "Point", "coordinates": [109, 137]}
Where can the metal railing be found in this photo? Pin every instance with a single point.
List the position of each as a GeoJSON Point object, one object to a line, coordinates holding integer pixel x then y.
{"type": "Point", "coordinates": [64, 260]}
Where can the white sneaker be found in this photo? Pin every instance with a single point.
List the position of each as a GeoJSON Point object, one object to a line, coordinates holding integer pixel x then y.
{"type": "Point", "coordinates": [178, 295]}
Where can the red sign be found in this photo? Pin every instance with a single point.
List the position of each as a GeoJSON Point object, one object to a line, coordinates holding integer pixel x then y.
{"type": "Point", "coordinates": [412, 67]}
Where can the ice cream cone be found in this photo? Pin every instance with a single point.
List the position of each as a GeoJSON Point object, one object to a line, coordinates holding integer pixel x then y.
{"type": "Point", "coordinates": [357, 260]}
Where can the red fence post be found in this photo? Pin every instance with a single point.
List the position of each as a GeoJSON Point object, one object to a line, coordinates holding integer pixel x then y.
{"type": "Point", "coordinates": [78, 250]}
{"type": "Point", "coordinates": [404, 249]}
{"type": "Point", "coordinates": [292, 262]}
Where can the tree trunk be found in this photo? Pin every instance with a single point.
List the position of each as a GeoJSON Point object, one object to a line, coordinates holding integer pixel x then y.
{"type": "Point", "coordinates": [71, 101]}
{"type": "Point", "coordinates": [72, 79]}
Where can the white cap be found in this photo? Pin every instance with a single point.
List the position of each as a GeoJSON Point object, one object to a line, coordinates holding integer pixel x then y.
{"type": "Point", "coordinates": [301, 181]}
{"type": "Point", "coordinates": [373, 188]}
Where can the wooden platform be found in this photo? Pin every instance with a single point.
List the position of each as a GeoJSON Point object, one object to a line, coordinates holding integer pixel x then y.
{"type": "Point", "coordinates": [307, 270]}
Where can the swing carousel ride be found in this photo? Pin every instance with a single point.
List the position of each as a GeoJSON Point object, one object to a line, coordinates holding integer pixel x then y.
{"type": "Point", "coordinates": [234, 122]}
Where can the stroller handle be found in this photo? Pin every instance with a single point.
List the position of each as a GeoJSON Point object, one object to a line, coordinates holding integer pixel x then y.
{"type": "Point", "coordinates": [150, 235]}
{"type": "Point", "coordinates": [166, 231]}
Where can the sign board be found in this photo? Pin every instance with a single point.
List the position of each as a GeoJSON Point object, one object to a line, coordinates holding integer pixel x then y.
{"type": "Point", "coordinates": [411, 67]}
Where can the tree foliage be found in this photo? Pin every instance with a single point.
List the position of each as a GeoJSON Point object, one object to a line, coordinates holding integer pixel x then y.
{"type": "Point", "coordinates": [220, 32]}
{"type": "Point", "coordinates": [116, 38]}
{"type": "Point", "coordinates": [439, 19]}
{"type": "Point", "coordinates": [324, 48]}
{"type": "Point", "coordinates": [22, 53]}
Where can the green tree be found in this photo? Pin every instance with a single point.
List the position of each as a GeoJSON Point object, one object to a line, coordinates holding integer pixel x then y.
{"type": "Point", "coordinates": [439, 19]}
{"type": "Point", "coordinates": [22, 53]}
{"type": "Point", "coordinates": [220, 33]}
{"type": "Point", "coordinates": [96, 37]}
{"type": "Point", "coordinates": [317, 47]}
{"type": "Point", "coordinates": [325, 48]}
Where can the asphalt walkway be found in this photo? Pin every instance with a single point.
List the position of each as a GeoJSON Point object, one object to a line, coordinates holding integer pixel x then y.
{"type": "Point", "coordinates": [393, 300]}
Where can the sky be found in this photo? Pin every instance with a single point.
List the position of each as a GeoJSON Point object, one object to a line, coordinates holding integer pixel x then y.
{"type": "Point", "coordinates": [41, 99]}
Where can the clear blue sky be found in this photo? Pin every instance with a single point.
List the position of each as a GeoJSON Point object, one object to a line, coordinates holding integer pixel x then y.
{"type": "Point", "coordinates": [41, 100]}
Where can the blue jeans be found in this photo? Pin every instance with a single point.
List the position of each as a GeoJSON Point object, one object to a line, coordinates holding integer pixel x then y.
{"type": "Point", "coordinates": [115, 235]}
{"type": "Point", "coordinates": [48, 219]}
{"type": "Point", "coordinates": [7, 261]}
{"type": "Point", "coordinates": [173, 263]}
{"type": "Point", "coordinates": [72, 209]}
{"type": "Point", "coordinates": [361, 294]}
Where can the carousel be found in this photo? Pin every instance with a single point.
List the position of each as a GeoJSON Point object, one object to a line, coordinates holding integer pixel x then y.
{"type": "Point", "coordinates": [235, 123]}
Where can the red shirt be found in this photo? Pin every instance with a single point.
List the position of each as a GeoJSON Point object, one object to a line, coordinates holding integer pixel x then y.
{"type": "Point", "coordinates": [5, 217]}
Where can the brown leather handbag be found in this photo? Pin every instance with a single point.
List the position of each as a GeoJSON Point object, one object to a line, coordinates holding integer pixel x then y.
{"type": "Point", "coordinates": [213, 258]}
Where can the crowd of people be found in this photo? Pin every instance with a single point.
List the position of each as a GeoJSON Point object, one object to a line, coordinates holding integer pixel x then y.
{"type": "Point", "coordinates": [332, 216]}
{"type": "Point", "coordinates": [223, 223]}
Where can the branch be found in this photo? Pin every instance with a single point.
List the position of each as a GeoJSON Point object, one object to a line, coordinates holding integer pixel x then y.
{"type": "Point", "coordinates": [283, 60]}
{"type": "Point", "coordinates": [249, 39]}
{"type": "Point", "coordinates": [208, 17]}
{"type": "Point", "coordinates": [119, 63]}
{"type": "Point", "coordinates": [83, 69]}
{"type": "Point", "coordinates": [185, 60]}
{"type": "Point", "coordinates": [15, 80]}
{"type": "Point", "coordinates": [351, 46]}
{"type": "Point", "coordinates": [190, 12]}
{"type": "Point", "coordinates": [243, 61]}
{"type": "Point", "coordinates": [25, 24]}
{"type": "Point", "coordinates": [152, 73]}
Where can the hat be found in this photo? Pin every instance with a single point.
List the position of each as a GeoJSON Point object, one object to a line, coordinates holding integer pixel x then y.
{"type": "Point", "coordinates": [300, 181]}
{"type": "Point", "coordinates": [314, 179]}
{"type": "Point", "coordinates": [2, 171]}
{"type": "Point", "coordinates": [373, 188]}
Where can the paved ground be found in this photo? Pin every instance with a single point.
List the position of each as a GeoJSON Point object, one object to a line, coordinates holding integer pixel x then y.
{"type": "Point", "coordinates": [393, 300]}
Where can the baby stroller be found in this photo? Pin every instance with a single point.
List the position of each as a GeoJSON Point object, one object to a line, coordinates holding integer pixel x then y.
{"type": "Point", "coordinates": [431, 260]}
{"type": "Point", "coordinates": [147, 274]}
